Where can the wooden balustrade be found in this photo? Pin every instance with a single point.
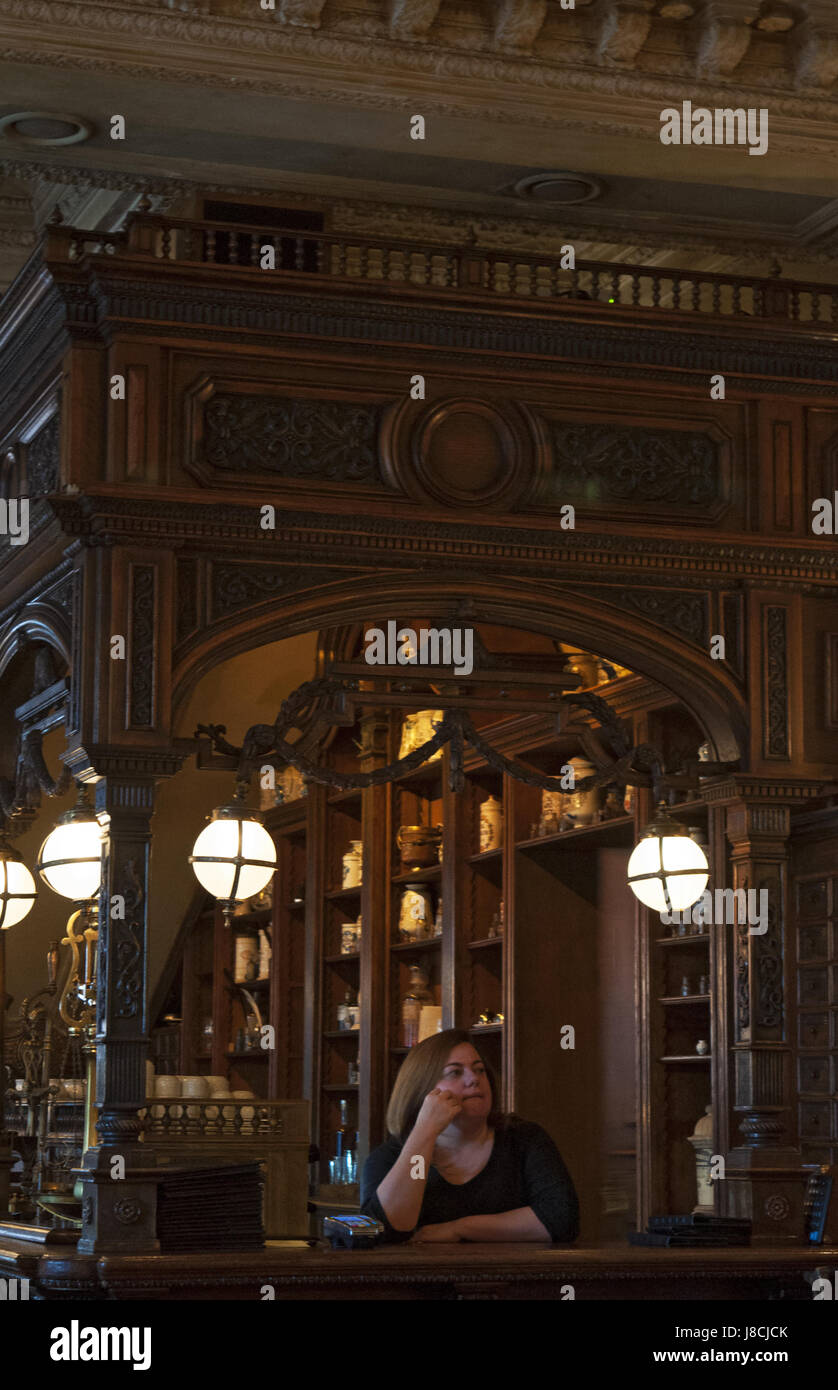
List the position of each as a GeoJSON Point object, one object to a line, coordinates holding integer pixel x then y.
{"type": "Point", "coordinates": [467, 270]}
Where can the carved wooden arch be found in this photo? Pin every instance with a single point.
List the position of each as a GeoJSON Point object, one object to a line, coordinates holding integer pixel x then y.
{"type": "Point", "coordinates": [707, 690]}
{"type": "Point", "coordinates": [38, 622]}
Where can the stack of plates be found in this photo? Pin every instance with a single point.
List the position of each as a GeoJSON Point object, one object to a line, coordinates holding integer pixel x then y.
{"type": "Point", "coordinates": [210, 1208]}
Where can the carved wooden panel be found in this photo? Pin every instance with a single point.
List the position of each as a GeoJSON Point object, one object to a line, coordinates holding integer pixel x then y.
{"type": "Point", "coordinates": [775, 682]}
{"type": "Point", "coordinates": [462, 452]}
{"type": "Point", "coordinates": [247, 434]}
{"type": "Point", "coordinates": [43, 459]}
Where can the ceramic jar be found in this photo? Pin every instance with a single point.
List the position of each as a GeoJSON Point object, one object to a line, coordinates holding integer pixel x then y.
{"type": "Point", "coordinates": [419, 845]}
{"type": "Point", "coordinates": [417, 728]}
{"type": "Point", "coordinates": [491, 824]}
{"type": "Point", "coordinates": [353, 865]}
{"type": "Point", "coordinates": [552, 807]}
{"type": "Point", "coordinates": [246, 967]}
{"type": "Point", "coordinates": [583, 806]}
{"type": "Point", "coordinates": [701, 1140]}
{"type": "Point", "coordinates": [416, 913]}
{"type": "Point", "coordinates": [264, 955]}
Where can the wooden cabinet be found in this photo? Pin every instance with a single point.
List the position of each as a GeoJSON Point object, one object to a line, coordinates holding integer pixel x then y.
{"type": "Point", "coordinates": [571, 990]}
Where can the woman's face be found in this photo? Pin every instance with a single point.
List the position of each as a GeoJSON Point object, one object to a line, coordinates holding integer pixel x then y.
{"type": "Point", "coordinates": [464, 1075]}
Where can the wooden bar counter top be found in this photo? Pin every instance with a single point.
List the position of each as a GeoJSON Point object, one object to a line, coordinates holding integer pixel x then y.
{"type": "Point", "coordinates": [496, 1271]}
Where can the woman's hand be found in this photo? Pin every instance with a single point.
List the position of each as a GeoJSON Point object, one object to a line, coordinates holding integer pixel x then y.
{"type": "Point", "coordinates": [443, 1232]}
{"type": "Point", "coordinates": [439, 1108]}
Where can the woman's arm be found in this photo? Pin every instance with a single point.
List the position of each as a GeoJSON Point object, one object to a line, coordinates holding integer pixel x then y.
{"type": "Point", "coordinates": [402, 1190]}
{"type": "Point", "coordinates": [520, 1224]}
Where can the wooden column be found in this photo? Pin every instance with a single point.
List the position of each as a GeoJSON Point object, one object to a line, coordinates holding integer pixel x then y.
{"type": "Point", "coordinates": [118, 1201]}
{"type": "Point", "coordinates": [764, 1179]}
{"type": "Point", "coordinates": [376, 833]}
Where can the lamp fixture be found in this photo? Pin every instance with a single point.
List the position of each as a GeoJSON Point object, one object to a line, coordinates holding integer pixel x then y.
{"type": "Point", "coordinates": [668, 870]}
{"type": "Point", "coordinates": [70, 858]}
{"type": "Point", "coordinates": [233, 857]}
{"type": "Point", "coordinates": [17, 886]}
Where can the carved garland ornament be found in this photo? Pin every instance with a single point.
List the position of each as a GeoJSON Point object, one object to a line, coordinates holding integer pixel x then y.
{"type": "Point", "coordinates": [329, 440]}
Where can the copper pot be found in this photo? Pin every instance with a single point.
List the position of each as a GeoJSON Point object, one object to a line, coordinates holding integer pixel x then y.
{"type": "Point", "coordinates": [419, 845]}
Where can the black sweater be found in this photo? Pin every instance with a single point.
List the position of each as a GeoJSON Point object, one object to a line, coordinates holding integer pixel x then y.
{"type": "Point", "coordinates": [525, 1169]}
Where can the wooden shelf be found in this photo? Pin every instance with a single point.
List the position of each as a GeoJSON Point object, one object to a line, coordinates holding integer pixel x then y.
{"type": "Point", "coordinates": [486, 941]}
{"type": "Point", "coordinates": [346, 797]}
{"type": "Point", "coordinates": [682, 940]}
{"type": "Point", "coordinates": [684, 999]}
{"type": "Point", "coordinates": [295, 907]}
{"type": "Point", "coordinates": [340, 1086]}
{"type": "Point", "coordinates": [486, 1028]}
{"type": "Point", "coordinates": [333, 894]}
{"type": "Point", "coordinates": [339, 959]}
{"type": "Point", "coordinates": [426, 944]}
{"type": "Point", "coordinates": [696, 807]}
{"type": "Point", "coordinates": [342, 1033]}
{"type": "Point", "coordinates": [255, 1055]}
{"type": "Point", "coordinates": [486, 856]}
{"type": "Point", "coordinates": [606, 834]}
{"type": "Point", "coordinates": [429, 875]}
{"type": "Point", "coordinates": [424, 780]}
{"type": "Point", "coordinates": [691, 1057]}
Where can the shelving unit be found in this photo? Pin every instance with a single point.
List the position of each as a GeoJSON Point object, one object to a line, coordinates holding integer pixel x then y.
{"type": "Point", "coordinates": [540, 931]}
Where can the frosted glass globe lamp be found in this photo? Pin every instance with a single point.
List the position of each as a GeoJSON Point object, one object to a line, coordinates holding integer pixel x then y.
{"type": "Point", "coordinates": [234, 857]}
{"type": "Point", "coordinates": [17, 887]}
{"type": "Point", "coordinates": [70, 859]}
{"type": "Point", "coordinates": [667, 870]}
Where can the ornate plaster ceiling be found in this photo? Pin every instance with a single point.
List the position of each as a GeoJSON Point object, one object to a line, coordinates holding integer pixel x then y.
{"type": "Point", "coordinates": [312, 101]}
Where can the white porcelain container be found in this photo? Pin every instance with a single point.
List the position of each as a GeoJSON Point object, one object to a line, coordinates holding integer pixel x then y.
{"type": "Point", "coordinates": [416, 912]}
{"type": "Point", "coordinates": [491, 824]}
{"type": "Point", "coordinates": [583, 806]}
{"type": "Point", "coordinates": [353, 865]}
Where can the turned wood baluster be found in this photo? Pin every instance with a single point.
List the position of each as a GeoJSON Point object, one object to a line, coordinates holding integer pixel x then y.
{"type": "Point", "coordinates": [595, 284]}
{"type": "Point", "coordinates": [299, 253]}
{"type": "Point", "coordinates": [166, 243]}
{"type": "Point", "coordinates": [320, 254]}
{"type": "Point", "coordinates": [615, 287]}
{"type": "Point", "coordinates": [635, 288]}
{"type": "Point", "coordinates": [737, 297]}
{"type": "Point", "coordinates": [696, 295]}
{"type": "Point", "coordinates": [255, 249]}
{"type": "Point", "coordinates": [717, 297]}
{"type": "Point", "coordinates": [676, 292]}
{"type": "Point", "coordinates": [656, 291]}
{"type": "Point", "coordinates": [210, 256]}
{"type": "Point", "coordinates": [795, 305]}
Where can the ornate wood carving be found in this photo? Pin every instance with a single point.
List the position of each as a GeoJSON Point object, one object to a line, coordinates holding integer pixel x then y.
{"type": "Point", "coordinates": [334, 441]}
{"type": "Point", "coordinates": [462, 452]}
{"type": "Point", "coordinates": [776, 726]}
{"type": "Point", "coordinates": [598, 464]}
{"type": "Point", "coordinates": [141, 712]}
{"type": "Point", "coordinates": [133, 302]}
{"type": "Point", "coordinates": [233, 587]}
{"type": "Point", "coordinates": [43, 459]}
{"type": "Point", "coordinates": [187, 616]}
{"type": "Point", "coordinates": [678, 610]}
{"type": "Point", "coordinates": [126, 936]}
{"type": "Point", "coordinates": [769, 962]}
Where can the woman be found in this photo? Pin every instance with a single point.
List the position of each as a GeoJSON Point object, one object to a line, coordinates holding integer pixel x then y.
{"type": "Point", "coordinates": [454, 1167]}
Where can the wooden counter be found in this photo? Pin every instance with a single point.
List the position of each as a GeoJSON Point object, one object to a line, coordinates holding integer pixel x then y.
{"type": "Point", "coordinates": [526, 1271]}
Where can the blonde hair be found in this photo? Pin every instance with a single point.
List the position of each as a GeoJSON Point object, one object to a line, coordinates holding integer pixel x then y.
{"type": "Point", "coordinates": [419, 1073]}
